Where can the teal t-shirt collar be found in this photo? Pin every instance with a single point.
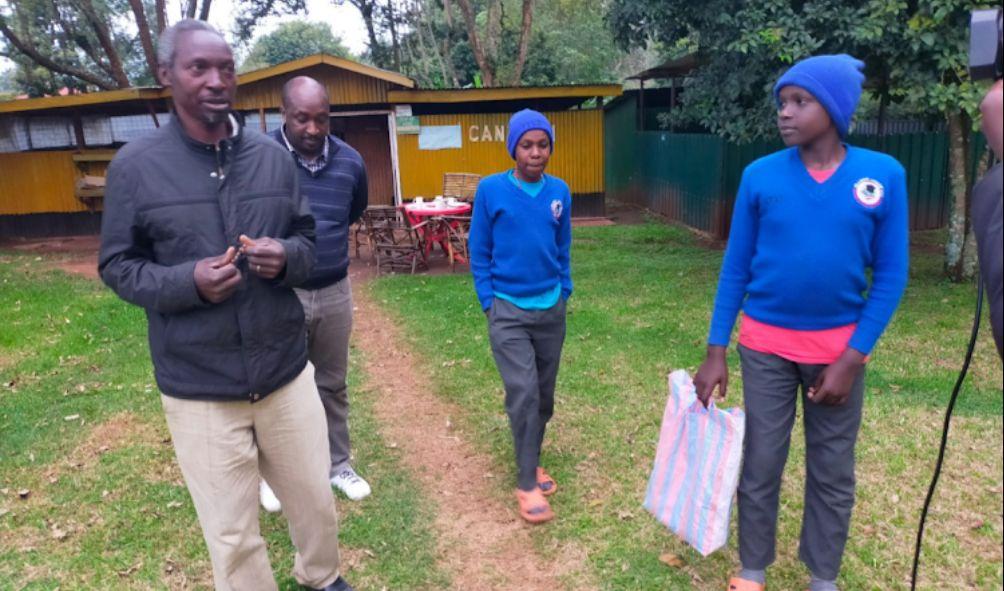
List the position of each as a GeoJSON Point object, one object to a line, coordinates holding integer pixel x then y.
{"type": "Point", "coordinates": [531, 189]}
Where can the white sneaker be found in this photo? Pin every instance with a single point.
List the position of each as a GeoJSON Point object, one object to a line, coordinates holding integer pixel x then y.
{"type": "Point", "coordinates": [268, 499]}
{"type": "Point", "coordinates": [351, 484]}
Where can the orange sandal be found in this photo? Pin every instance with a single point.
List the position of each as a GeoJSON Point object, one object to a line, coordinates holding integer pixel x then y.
{"type": "Point", "coordinates": [545, 483]}
{"type": "Point", "coordinates": [737, 584]}
{"type": "Point", "coordinates": [533, 507]}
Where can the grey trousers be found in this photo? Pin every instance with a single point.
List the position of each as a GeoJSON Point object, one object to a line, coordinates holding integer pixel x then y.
{"type": "Point", "coordinates": [771, 386]}
{"type": "Point", "coordinates": [527, 349]}
{"type": "Point", "coordinates": [328, 315]}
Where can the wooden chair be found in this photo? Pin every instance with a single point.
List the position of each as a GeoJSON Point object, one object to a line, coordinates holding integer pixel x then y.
{"type": "Point", "coordinates": [398, 246]}
{"type": "Point", "coordinates": [458, 229]}
{"type": "Point", "coordinates": [460, 185]}
{"type": "Point", "coordinates": [375, 216]}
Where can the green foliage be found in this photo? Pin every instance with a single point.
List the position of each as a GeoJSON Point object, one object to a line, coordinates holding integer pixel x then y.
{"type": "Point", "coordinates": [915, 52]}
{"type": "Point", "coordinates": [293, 40]}
{"type": "Point", "coordinates": [569, 44]}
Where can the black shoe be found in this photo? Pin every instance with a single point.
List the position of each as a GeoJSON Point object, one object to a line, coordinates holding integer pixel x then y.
{"type": "Point", "coordinates": [338, 585]}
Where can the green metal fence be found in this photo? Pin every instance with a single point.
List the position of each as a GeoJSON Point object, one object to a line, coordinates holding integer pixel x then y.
{"type": "Point", "coordinates": [693, 178]}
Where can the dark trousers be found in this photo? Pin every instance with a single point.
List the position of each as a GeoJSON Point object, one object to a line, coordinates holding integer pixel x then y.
{"type": "Point", "coordinates": [771, 387]}
{"type": "Point", "coordinates": [527, 349]}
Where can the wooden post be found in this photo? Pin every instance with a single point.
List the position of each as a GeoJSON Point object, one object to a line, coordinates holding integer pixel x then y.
{"type": "Point", "coordinates": [672, 99]}
{"type": "Point", "coordinates": [261, 119]}
{"type": "Point", "coordinates": [78, 130]}
{"type": "Point", "coordinates": [641, 104]}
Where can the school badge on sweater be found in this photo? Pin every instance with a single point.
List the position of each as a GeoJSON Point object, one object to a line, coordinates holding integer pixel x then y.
{"type": "Point", "coordinates": [556, 208]}
{"type": "Point", "coordinates": [868, 192]}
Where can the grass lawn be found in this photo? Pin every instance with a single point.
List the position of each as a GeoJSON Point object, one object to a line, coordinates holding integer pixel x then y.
{"type": "Point", "coordinates": [81, 429]}
{"type": "Point", "coordinates": [641, 309]}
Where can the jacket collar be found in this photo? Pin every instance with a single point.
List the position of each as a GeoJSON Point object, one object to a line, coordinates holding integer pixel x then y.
{"type": "Point", "coordinates": [236, 121]}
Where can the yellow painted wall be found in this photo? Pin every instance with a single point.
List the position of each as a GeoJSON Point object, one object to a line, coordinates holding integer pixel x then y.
{"type": "Point", "coordinates": [38, 182]}
{"type": "Point", "coordinates": [577, 158]}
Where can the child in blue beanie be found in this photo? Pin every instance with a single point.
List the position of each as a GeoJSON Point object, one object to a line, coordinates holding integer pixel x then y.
{"type": "Point", "coordinates": [520, 238]}
{"type": "Point", "coordinates": [809, 223]}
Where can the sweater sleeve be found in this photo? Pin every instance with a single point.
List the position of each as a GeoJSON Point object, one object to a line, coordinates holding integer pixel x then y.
{"type": "Point", "coordinates": [565, 247]}
{"type": "Point", "coordinates": [480, 245]}
{"type": "Point", "coordinates": [126, 261]}
{"type": "Point", "coordinates": [360, 194]}
{"type": "Point", "coordinates": [735, 273]}
{"type": "Point", "coordinates": [890, 264]}
{"type": "Point", "coordinates": [299, 243]}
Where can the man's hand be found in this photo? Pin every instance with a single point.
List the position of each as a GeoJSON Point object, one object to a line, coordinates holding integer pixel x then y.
{"type": "Point", "coordinates": [216, 278]}
{"type": "Point", "coordinates": [833, 384]}
{"type": "Point", "coordinates": [713, 372]}
{"type": "Point", "coordinates": [266, 257]}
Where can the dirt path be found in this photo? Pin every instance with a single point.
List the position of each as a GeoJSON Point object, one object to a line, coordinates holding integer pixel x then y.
{"type": "Point", "coordinates": [77, 255]}
{"type": "Point", "coordinates": [484, 545]}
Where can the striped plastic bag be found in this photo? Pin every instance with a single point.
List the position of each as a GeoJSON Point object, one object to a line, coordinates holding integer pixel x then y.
{"type": "Point", "coordinates": [696, 469]}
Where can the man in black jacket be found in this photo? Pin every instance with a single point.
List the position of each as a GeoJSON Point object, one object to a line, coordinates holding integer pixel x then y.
{"type": "Point", "coordinates": [332, 176]}
{"type": "Point", "coordinates": [205, 228]}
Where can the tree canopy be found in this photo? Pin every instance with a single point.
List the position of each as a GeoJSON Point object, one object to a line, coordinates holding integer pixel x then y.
{"type": "Point", "coordinates": [102, 44]}
{"type": "Point", "coordinates": [293, 40]}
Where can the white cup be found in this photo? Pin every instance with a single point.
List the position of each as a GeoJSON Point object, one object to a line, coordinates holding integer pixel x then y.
{"type": "Point", "coordinates": [419, 201]}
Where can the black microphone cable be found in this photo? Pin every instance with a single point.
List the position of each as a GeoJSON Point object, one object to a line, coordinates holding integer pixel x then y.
{"type": "Point", "coordinates": [944, 431]}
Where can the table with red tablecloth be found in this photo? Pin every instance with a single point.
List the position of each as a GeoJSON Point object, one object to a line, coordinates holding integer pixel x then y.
{"type": "Point", "coordinates": [432, 232]}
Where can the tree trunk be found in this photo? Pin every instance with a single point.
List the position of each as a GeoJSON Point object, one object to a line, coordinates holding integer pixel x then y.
{"type": "Point", "coordinates": [444, 51]}
{"type": "Point", "coordinates": [190, 9]}
{"type": "Point", "coordinates": [394, 43]}
{"type": "Point", "coordinates": [161, 6]}
{"type": "Point", "coordinates": [970, 261]}
{"type": "Point", "coordinates": [493, 34]}
{"type": "Point", "coordinates": [958, 183]}
{"type": "Point", "coordinates": [101, 30]}
{"type": "Point", "coordinates": [487, 71]}
{"type": "Point", "coordinates": [48, 63]}
{"type": "Point", "coordinates": [144, 35]}
{"type": "Point", "coordinates": [365, 8]}
{"type": "Point", "coordinates": [524, 42]}
{"type": "Point", "coordinates": [204, 12]}
{"type": "Point", "coordinates": [448, 11]}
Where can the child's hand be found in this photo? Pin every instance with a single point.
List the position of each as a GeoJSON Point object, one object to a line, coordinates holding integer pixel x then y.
{"type": "Point", "coordinates": [833, 384]}
{"type": "Point", "coordinates": [713, 372]}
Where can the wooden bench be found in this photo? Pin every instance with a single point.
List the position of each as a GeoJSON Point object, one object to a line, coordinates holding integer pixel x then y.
{"type": "Point", "coordinates": [89, 187]}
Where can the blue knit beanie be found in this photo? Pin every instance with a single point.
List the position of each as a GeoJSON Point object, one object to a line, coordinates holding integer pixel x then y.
{"type": "Point", "coordinates": [524, 121]}
{"type": "Point", "coordinates": [835, 81]}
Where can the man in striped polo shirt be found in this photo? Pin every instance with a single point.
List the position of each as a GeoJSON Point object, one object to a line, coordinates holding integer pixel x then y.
{"type": "Point", "coordinates": [332, 175]}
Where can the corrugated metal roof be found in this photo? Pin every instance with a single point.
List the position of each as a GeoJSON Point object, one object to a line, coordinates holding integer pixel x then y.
{"type": "Point", "coordinates": [466, 95]}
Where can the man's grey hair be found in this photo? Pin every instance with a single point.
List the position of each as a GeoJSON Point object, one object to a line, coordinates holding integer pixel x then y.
{"type": "Point", "coordinates": [168, 42]}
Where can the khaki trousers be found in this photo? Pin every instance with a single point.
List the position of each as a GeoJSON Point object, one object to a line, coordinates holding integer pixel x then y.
{"type": "Point", "coordinates": [223, 449]}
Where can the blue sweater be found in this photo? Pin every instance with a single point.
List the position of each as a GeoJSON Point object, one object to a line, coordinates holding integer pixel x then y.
{"type": "Point", "coordinates": [338, 195]}
{"type": "Point", "coordinates": [519, 245]}
{"type": "Point", "coordinates": [798, 250]}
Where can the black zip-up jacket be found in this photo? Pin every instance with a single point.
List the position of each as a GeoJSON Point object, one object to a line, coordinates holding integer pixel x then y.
{"type": "Point", "coordinates": [170, 201]}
